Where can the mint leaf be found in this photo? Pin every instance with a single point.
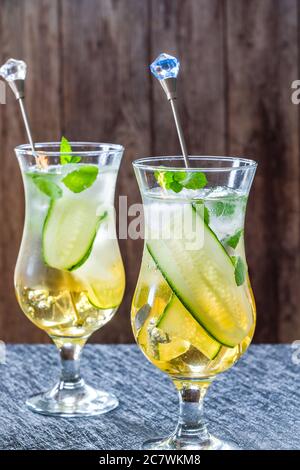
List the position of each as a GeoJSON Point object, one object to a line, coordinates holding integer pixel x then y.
{"type": "Point", "coordinates": [178, 175]}
{"type": "Point", "coordinates": [195, 180]}
{"type": "Point", "coordinates": [177, 180]}
{"type": "Point", "coordinates": [164, 178]}
{"type": "Point", "coordinates": [223, 208]}
{"type": "Point", "coordinates": [65, 145]}
{"type": "Point", "coordinates": [229, 208]}
{"type": "Point", "coordinates": [218, 208]}
{"type": "Point", "coordinates": [66, 148]}
{"type": "Point", "coordinates": [239, 270]}
{"type": "Point", "coordinates": [233, 241]}
{"type": "Point", "coordinates": [175, 186]}
{"type": "Point", "coordinates": [47, 186]}
{"type": "Point", "coordinates": [81, 179]}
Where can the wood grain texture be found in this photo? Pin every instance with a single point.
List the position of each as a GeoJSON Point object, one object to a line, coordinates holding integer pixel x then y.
{"type": "Point", "coordinates": [106, 98]}
{"type": "Point", "coordinates": [193, 31]}
{"type": "Point", "coordinates": [23, 24]}
{"type": "Point", "coordinates": [89, 79]}
{"type": "Point", "coordinates": [263, 123]}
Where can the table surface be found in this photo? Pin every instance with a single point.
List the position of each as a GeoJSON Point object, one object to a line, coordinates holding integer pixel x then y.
{"type": "Point", "coordinates": [256, 404]}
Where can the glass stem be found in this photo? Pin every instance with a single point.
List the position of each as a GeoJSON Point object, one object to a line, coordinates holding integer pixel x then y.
{"type": "Point", "coordinates": [191, 425]}
{"type": "Point", "coordinates": [70, 366]}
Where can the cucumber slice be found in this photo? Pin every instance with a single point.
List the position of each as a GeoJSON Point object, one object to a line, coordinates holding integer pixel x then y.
{"type": "Point", "coordinates": [106, 295]}
{"type": "Point", "coordinates": [203, 278]}
{"type": "Point", "coordinates": [103, 273]}
{"type": "Point", "coordinates": [177, 322]}
{"type": "Point", "coordinates": [69, 231]}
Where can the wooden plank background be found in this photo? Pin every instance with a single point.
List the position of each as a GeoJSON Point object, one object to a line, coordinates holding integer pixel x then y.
{"type": "Point", "coordinates": [88, 79]}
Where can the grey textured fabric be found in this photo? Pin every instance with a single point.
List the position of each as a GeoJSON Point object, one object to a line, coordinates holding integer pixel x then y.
{"type": "Point", "coordinates": [256, 404]}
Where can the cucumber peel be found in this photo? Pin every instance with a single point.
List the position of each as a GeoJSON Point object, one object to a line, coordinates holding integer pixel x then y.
{"type": "Point", "coordinates": [103, 296]}
{"type": "Point", "coordinates": [101, 218]}
{"type": "Point", "coordinates": [69, 232]}
{"type": "Point", "coordinates": [177, 322]}
{"type": "Point", "coordinates": [203, 279]}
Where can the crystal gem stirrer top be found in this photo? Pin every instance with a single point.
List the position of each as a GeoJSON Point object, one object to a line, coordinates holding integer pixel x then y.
{"type": "Point", "coordinates": [14, 72]}
{"type": "Point", "coordinates": [165, 68]}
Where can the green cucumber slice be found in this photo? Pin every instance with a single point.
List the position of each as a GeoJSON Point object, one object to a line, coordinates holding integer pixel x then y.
{"type": "Point", "coordinates": [102, 273]}
{"type": "Point", "coordinates": [203, 279]}
{"type": "Point", "coordinates": [177, 322]}
{"type": "Point", "coordinates": [106, 295]}
{"type": "Point", "coordinates": [69, 232]}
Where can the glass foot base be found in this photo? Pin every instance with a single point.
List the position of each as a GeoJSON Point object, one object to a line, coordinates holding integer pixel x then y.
{"type": "Point", "coordinates": [71, 402]}
{"type": "Point", "coordinates": [173, 443]}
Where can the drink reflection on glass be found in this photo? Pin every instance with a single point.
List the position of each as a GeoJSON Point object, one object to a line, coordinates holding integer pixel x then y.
{"type": "Point", "coordinates": [69, 277]}
{"type": "Point", "coordinates": [193, 312]}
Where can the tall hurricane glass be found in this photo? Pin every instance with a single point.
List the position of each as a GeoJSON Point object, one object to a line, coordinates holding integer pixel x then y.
{"type": "Point", "coordinates": [193, 312]}
{"type": "Point", "coordinates": [69, 277]}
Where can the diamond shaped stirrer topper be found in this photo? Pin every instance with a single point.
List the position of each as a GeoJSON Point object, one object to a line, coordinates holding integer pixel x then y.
{"type": "Point", "coordinates": [14, 72]}
{"type": "Point", "coordinates": [165, 68]}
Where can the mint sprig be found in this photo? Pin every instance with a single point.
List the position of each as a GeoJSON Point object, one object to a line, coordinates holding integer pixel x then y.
{"type": "Point", "coordinates": [195, 180]}
{"type": "Point", "coordinates": [66, 150]}
{"type": "Point", "coordinates": [233, 240]}
{"type": "Point", "coordinates": [239, 270]}
{"type": "Point", "coordinates": [81, 179]}
{"type": "Point", "coordinates": [177, 180]}
{"type": "Point", "coordinates": [47, 186]}
{"type": "Point", "coordinates": [223, 208]}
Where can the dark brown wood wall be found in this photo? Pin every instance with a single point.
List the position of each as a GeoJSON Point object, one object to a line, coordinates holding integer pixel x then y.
{"type": "Point", "coordinates": [89, 79]}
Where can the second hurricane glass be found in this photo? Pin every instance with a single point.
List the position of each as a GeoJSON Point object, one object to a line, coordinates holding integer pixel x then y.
{"type": "Point", "coordinates": [193, 312]}
{"type": "Point", "coordinates": [69, 277]}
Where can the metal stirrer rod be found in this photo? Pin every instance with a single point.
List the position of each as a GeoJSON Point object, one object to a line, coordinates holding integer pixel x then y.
{"type": "Point", "coordinates": [25, 119]}
{"type": "Point", "coordinates": [180, 132]}
{"type": "Point", "coordinates": [165, 68]}
{"type": "Point", "coordinates": [14, 72]}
